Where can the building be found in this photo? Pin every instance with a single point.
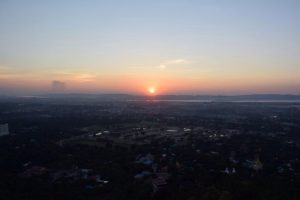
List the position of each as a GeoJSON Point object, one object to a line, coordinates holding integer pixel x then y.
{"type": "Point", "coordinates": [4, 129]}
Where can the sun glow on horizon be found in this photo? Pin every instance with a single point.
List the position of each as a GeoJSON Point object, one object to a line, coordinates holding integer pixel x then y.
{"type": "Point", "coordinates": [151, 90]}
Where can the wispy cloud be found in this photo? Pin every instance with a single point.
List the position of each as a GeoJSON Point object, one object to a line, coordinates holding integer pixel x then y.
{"type": "Point", "coordinates": [8, 73]}
{"type": "Point", "coordinates": [168, 63]}
{"type": "Point", "coordinates": [80, 77]}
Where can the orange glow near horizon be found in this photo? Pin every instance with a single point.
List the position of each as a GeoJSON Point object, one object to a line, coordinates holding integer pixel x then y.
{"type": "Point", "coordinates": [146, 84]}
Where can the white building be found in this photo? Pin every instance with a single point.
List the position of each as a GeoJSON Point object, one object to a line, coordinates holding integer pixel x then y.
{"type": "Point", "coordinates": [4, 129]}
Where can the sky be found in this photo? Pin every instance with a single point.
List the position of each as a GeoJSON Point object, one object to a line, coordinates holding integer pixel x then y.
{"type": "Point", "coordinates": [142, 46]}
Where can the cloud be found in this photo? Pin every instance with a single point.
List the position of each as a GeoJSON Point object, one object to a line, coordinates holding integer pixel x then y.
{"type": "Point", "coordinates": [58, 86]}
{"type": "Point", "coordinates": [163, 65]}
{"type": "Point", "coordinates": [79, 77]}
{"type": "Point", "coordinates": [8, 73]}
{"type": "Point", "coordinates": [167, 63]}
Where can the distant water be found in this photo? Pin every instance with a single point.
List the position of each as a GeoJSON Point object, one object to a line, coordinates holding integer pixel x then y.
{"type": "Point", "coordinates": [178, 100]}
{"type": "Point", "coordinates": [220, 101]}
{"type": "Point", "coordinates": [36, 97]}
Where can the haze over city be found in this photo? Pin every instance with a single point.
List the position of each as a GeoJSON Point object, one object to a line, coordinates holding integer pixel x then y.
{"type": "Point", "coordinates": [150, 47]}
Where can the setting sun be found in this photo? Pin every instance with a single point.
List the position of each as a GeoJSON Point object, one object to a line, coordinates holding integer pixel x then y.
{"type": "Point", "coordinates": [151, 90]}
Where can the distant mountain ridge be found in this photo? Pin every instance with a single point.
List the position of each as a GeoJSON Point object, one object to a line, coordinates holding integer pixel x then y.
{"type": "Point", "coordinates": [232, 97]}
{"type": "Point", "coordinates": [124, 97]}
{"type": "Point", "coordinates": [250, 97]}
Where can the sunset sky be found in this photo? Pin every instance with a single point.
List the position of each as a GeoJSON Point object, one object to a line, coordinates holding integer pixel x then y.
{"type": "Point", "coordinates": [136, 46]}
